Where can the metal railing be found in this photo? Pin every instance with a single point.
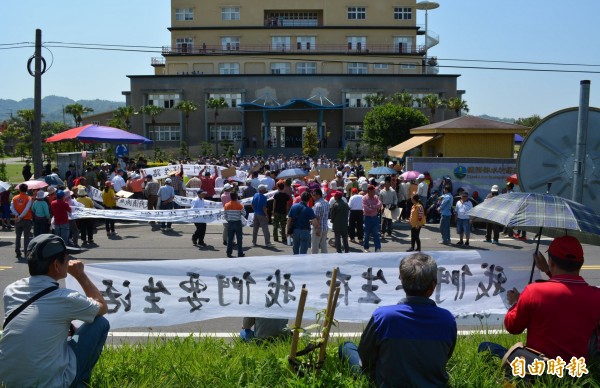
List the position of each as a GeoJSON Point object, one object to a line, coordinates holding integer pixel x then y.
{"type": "Point", "coordinates": [158, 61]}
{"type": "Point", "coordinates": [236, 49]}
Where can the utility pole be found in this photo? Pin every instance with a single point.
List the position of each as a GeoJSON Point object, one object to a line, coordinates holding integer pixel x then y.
{"type": "Point", "coordinates": [581, 146]}
{"type": "Point", "coordinates": [36, 136]}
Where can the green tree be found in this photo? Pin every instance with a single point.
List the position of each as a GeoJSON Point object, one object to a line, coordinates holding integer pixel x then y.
{"type": "Point", "coordinates": [27, 115]}
{"type": "Point", "coordinates": [215, 104]}
{"type": "Point", "coordinates": [153, 111]}
{"type": "Point", "coordinates": [432, 102]}
{"type": "Point", "coordinates": [530, 121]}
{"type": "Point", "coordinates": [206, 149]}
{"type": "Point", "coordinates": [310, 145]}
{"type": "Point", "coordinates": [186, 107]}
{"type": "Point", "coordinates": [403, 99]}
{"type": "Point", "coordinates": [375, 99]}
{"type": "Point", "coordinates": [388, 125]}
{"type": "Point", "coordinates": [458, 105]}
{"type": "Point", "coordinates": [122, 117]}
{"type": "Point", "coordinates": [77, 110]}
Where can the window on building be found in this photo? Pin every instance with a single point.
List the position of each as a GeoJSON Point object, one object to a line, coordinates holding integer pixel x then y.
{"type": "Point", "coordinates": [232, 99]}
{"type": "Point", "coordinates": [403, 44]}
{"type": "Point", "coordinates": [230, 42]}
{"type": "Point", "coordinates": [280, 68]}
{"type": "Point", "coordinates": [353, 132]}
{"type": "Point", "coordinates": [357, 100]}
{"type": "Point", "coordinates": [408, 66]}
{"type": "Point", "coordinates": [163, 100]}
{"type": "Point", "coordinates": [184, 45]}
{"type": "Point", "coordinates": [357, 43]}
{"type": "Point", "coordinates": [358, 68]}
{"type": "Point", "coordinates": [164, 132]}
{"type": "Point", "coordinates": [184, 14]}
{"type": "Point", "coordinates": [230, 13]}
{"type": "Point", "coordinates": [292, 19]}
{"type": "Point", "coordinates": [402, 13]}
{"type": "Point", "coordinates": [357, 13]}
{"type": "Point", "coordinates": [280, 43]}
{"type": "Point", "coordinates": [229, 68]}
{"type": "Point", "coordinates": [226, 132]}
{"type": "Point", "coordinates": [306, 68]}
{"type": "Point", "coordinates": [380, 66]}
{"type": "Point", "coordinates": [305, 43]}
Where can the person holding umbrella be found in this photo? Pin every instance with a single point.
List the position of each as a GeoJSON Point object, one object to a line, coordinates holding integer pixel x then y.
{"type": "Point", "coordinates": [560, 315]}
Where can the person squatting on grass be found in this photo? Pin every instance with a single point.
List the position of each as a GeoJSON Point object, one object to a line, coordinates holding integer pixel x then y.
{"type": "Point", "coordinates": [35, 349]}
{"type": "Point", "coordinates": [408, 344]}
{"type": "Point", "coordinates": [561, 315]}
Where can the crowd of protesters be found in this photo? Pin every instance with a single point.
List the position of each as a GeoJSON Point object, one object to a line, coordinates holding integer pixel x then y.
{"type": "Point", "coordinates": [374, 203]}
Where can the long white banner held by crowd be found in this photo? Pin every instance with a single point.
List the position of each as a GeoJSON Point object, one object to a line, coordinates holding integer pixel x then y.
{"type": "Point", "coordinates": [168, 292]}
{"type": "Point", "coordinates": [183, 216]}
{"type": "Point", "coordinates": [189, 170]}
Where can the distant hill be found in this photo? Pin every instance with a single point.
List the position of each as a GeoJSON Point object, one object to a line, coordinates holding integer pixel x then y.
{"type": "Point", "coordinates": [52, 107]}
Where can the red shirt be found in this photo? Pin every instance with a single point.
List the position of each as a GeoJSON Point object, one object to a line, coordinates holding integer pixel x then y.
{"type": "Point", "coordinates": [559, 315]}
{"type": "Point", "coordinates": [208, 185]}
{"type": "Point", "coordinates": [60, 211]}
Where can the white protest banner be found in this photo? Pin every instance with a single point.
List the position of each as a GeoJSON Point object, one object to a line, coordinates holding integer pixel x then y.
{"type": "Point", "coordinates": [169, 292]}
{"type": "Point", "coordinates": [182, 216]}
{"type": "Point", "coordinates": [160, 172]}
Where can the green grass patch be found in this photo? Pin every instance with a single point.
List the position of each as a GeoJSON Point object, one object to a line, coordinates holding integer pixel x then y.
{"type": "Point", "coordinates": [211, 362]}
{"type": "Point", "coordinates": [13, 172]}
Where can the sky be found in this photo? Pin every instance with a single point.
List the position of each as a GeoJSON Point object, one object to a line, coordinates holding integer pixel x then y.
{"type": "Point", "coordinates": [542, 31]}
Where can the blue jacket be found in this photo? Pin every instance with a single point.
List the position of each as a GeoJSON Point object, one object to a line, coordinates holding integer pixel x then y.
{"type": "Point", "coordinates": [409, 344]}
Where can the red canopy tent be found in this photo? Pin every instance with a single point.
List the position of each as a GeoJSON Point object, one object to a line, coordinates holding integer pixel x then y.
{"type": "Point", "coordinates": [92, 133]}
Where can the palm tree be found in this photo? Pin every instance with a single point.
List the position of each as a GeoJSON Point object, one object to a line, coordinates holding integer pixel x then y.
{"type": "Point", "coordinates": [152, 111]}
{"type": "Point", "coordinates": [124, 114]}
{"type": "Point", "coordinates": [186, 107]}
{"type": "Point", "coordinates": [27, 115]}
{"type": "Point", "coordinates": [375, 99]}
{"type": "Point", "coordinates": [458, 105]}
{"type": "Point", "coordinates": [432, 102]}
{"type": "Point", "coordinates": [404, 99]}
{"type": "Point", "coordinates": [216, 104]}
{"type": "Point", "coordinates": [77, 110]}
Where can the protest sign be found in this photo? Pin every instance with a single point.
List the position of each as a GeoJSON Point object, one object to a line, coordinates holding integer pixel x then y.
{"type": "Point", "coordinates": [169, 292]}
{"type": "Point", "coordinates": [327, 174]}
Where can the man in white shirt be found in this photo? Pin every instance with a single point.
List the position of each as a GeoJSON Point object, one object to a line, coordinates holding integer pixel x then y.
{"type": "Point", "coordinates": [118, 181]}
{"type": "Point", "coordinates": [355, 222]}
{"type": "Point", "coordinates": [268, 181]}
{"type": "Point", "coordinates": [422, 189]}
{"type": "Point", "coordinates": [198, 236]}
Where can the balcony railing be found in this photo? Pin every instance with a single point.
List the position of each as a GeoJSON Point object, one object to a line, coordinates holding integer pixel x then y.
{"type": "Point", "coordinates": [158, 61]}
{"type": "Point", "coordinates": [299, 48]}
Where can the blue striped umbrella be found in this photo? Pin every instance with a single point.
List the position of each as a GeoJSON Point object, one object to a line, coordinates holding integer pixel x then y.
{"type": "Point", "coordinates": [556, 216]}
{"type": "Point", "coordinates": [545, 214]}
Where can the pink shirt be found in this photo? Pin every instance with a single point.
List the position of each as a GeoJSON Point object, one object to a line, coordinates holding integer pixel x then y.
{"type": "Point", "coordinates": [371, 205]}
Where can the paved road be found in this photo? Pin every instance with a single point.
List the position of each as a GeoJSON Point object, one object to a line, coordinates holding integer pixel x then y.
{"type": "Point", "coordinates": [138, 242]}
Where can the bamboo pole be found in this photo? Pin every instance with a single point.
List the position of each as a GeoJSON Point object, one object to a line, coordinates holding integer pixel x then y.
{"type": "Point", "coordinates": [297, 326]}
{"type": "Point", "coordinates": [334, 292]}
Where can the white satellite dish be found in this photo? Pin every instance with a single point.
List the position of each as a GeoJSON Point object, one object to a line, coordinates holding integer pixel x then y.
{"type": "Point", "coordinates": [547, 155]}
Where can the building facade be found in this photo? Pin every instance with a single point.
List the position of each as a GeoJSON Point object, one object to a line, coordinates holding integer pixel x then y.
{"type": "Point", "coordinates": [282, 67]}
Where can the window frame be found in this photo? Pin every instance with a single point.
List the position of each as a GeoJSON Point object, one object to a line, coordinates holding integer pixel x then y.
{"type": "Point", "coordinates": [164, 100]}
{"type": "Point", "coordinates": [277, 67]}
{"type": "Point", "coordinates": [182, 14]}
{"type": "Point", "coordinates": [357, 12]}
{"type": "Point", "coordinates": [403, 13]}
{"type": "Point", "coordinates": [164, 132]}
{"type": "Point", "coordinates": [230, 13]}
{"type": "Point", "coordinates": [229, 68]}
{"type": "Point", "coordinates": [358, 68]}
{"type": "Point", "coordinates": [306, 65]}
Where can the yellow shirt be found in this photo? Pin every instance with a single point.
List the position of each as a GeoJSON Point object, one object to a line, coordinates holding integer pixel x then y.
{"type": "Point", "coordinates": [108, 197]}
{"type": "Point", "coordinates": [86, 201]}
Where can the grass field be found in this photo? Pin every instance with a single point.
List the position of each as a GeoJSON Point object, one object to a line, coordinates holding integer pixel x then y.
{"type": "Point", "coordinates": [209, 362]}
{"type": "Point", "coordinates": [13, 172]}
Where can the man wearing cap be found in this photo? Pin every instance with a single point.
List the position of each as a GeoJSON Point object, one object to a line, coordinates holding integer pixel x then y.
{"type": "Point", "coordinates": [225, 198]}
{"type": "Point", "coordinates": [389, 200]}
{"type": "Point", "coordinates": [339, 220]}
{"type": "Point", "coordinates": [198, 203]}
{"type": "Point", "coordinates": [151, 188]}
{"type": "Point", "coordinates": [135, 184]}
{"type": "Point", "coordinates": [445, 210]}
{"type": "Point", "coordinates": [34, 349]}
{"type": "Point", "coordinates": [41, 214]}
{"type": "Point", "coordinates": [492, 229]}
{"type": "Point", "coordinates": [355, 222]}
{"type": "Point", "coordinates": [194, 183]}
{"type": "Point", "coordinates": [561, 315]}
{"type": "Point", "coordinates": [371, 206]}
{"type": "Point", "coordinates": [422, 189]}
{"type": "Point", "coordinates": [21, 209]}
{"type": "Point", "coordinates": [318, 236]}
{"type": "Point", "coordinates": [86, 225]}
{"type": "Point", "coordinates": [60, 211]}
{"type": "Point", "coordinates": [299, 220]}
{"type": "Point", "coordinates": [166, 198]}
{"type": "Point", "coordinates": [259, 205]}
